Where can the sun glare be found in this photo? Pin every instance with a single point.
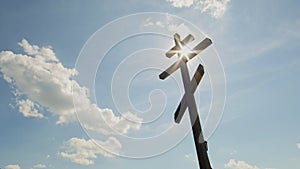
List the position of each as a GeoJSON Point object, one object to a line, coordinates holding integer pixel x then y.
{"type": "Point", "coordinates": [185, 51]}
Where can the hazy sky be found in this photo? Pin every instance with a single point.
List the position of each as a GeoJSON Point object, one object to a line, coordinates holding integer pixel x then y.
{"type": "Point", "coordinates": [258, 45]}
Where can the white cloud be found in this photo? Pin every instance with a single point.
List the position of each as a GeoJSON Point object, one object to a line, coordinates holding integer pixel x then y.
{"type": "Point", "coordinates": [168, 24]}
{"type": "Point", "coordinates": [215, 8]}
{"type": "Point", "coordinates": [181, 3]}
{"type": "Point", "coordinates": [47, 83]}
{"type": "Point", "coordinates": [149, 22]}
{"type": "Point", "coordinates": [239, 165]}
{"type": "Point", "coordinates": [40, 78]}
{"type": "Point", "coordinates": [190, 157]}
{"type": "Point", "coordinates": [7, 79]}
{"type": "Point", "coordinates": [298, 145]}
{"type": "Point", "coordinates": [39, 166]}
{"type": "Point", "coordinates": [82, 151]}
{"type": "Point", "coordinates": [12, 167]}
{"type": "Point", "coordinates": [29, 109]}
{"type": "Point", "coordinates": [46, 53]}
{"type": "Point", "coordinates": [105, 122]}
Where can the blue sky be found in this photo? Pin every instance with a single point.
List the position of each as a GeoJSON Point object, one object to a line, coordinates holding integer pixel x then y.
{"type": "Point", "coordinates": [258, 44]}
